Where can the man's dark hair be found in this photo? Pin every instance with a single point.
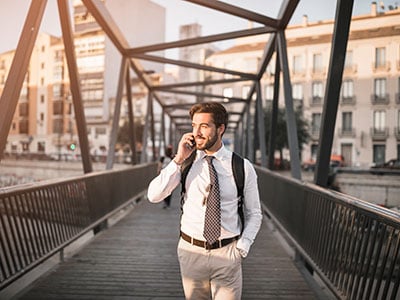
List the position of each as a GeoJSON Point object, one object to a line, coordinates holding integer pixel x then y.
{"type": "Point", "coordinates": [217, 110]}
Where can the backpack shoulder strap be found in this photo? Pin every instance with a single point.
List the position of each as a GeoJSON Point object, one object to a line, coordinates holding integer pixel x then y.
{"type": "Point", "coordinates": [186, 165]}
{"type": "Point", "coordinates": [238, 174]}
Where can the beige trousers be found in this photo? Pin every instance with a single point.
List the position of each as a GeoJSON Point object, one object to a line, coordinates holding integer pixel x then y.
{"type": "Point", "coordinates": [210, 274]}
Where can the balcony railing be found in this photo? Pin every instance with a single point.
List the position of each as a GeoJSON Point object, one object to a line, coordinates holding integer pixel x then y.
{"type": "Point", "coordinates": [316, 101]}
{"type": "Point", "coordinates": [314, 132]}
{"type": "Point", "coordinates": [349, 100]}
{"type": "Point", "coordinates": [380, 99]}
{"type": "Point", "coordinates": [397, 132]}
{"type": "Point", "coordinates": [397, 98]}
{"type": "Point", "coordinates": [347, 132]}
{"type": "Point", "coordinates": [379, 134]}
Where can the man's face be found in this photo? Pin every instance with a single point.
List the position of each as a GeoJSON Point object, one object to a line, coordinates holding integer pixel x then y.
{"type": "Point", "coordinates": [206, 135]}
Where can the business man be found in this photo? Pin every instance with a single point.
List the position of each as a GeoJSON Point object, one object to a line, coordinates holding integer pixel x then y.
{"type": "Point", "coordinates": [213, 242]}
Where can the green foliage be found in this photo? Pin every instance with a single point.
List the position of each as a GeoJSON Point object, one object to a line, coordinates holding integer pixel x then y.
{"type": "Point", "coordinates": [123, 133]}
{"type": "Point", "coordinates": [281, 137]}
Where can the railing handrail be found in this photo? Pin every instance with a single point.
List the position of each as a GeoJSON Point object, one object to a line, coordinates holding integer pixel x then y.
{"type": "Point", "coordinates": [353, 245]}
{"type": "Point", "coordinates": [39, 219]}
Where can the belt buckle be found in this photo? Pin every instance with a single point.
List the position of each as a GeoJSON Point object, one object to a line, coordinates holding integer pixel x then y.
{"type": "Point", "coordinates": [207, 246]}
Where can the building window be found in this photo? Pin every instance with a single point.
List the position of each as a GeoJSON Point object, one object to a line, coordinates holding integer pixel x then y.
{"type": "Point", "coordinates": [41, 98]}
{"type": "Point", "coordinates": [228, 93]}
{"type": "Point", "coordinates": [348, 61]}
{"type": "Point", "coordinates": [58, 126]}
{"type": "Point", "coordinates": [317, 63]}
{"type": "Point", "coordinates": [269, 92]}
{"type": "Point", "coordinates": [347, 89]}
{"type": "Point", "coordinates": [380, 57]}
{"type": "Point", "coordinates": [347, 122]}
{"type": "Point", "coordinates": [297, 91]}
{"type": "Point", "coordinates": [315, 123]}
{"type": "Point", "coordinates": [317, 92]}
{"type": "Point", "coordinates": [41, 146]}
{"type": "Point", "coordinates": [379, 119]}
{"type": "Point", "coordinates": [58, 108]}
{"type": "Point", "coordinates": [298, 64]}
{"type": "Point", "coordinates": [379, 154]}
{"type": "Point", "coordinates": [24, 126]}
{"type": "Point", "coordinates": [380, 94]}
{"type": "Point", "coordinates": [42, 117]}
{"type": "Point", "coordinates": [245, 91]}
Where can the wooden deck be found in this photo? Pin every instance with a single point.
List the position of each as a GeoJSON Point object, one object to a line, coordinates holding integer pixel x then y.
{"type": "Point", "coordinates": [136, 259]}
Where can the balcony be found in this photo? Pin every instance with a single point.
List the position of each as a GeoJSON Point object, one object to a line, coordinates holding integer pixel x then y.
{"type": "Point", "coordinates": [383, 67]}
{"type": "Point", "coordinates": [314, 133]}
{"type": "Point", "coordinates": [380, 99]}
{"type": "Point", "coordinates": [379, 134]}
{"type": "Point", "coordinates": [347, 132]}
{"type": "Point", "coordinates": [315, 101]}
{"type": "Point", "coordinates": [349, 100]}
{"type": "Point", "coordinates": [397, 132]}
{"type": "Point", "coordinates": [397, 98]}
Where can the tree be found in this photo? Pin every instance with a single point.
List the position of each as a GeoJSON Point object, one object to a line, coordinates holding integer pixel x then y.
{"type": "Point", "coordinates": [281, 137]}
{"type": "Point", "coordinates": [123, 133]}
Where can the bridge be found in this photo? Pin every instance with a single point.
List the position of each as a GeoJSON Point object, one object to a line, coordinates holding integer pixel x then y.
{"type": "Point", "coordinates": [348, 246]}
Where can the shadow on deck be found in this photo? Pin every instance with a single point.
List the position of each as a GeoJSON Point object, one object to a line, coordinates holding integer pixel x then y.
{"type": "Point", "coordinates": [136, 259]}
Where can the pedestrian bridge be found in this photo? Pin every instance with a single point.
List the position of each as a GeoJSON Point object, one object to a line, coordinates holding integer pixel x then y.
{"type": "Point", "coordinates": [347, 246]}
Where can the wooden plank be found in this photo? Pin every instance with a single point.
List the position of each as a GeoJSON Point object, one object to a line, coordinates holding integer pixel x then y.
{"type": "Point", "coordinates": [136, 259]}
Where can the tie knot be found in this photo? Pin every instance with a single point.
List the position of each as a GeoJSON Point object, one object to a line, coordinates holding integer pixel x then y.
{"type": "Point", "coordinates": [209, 158]}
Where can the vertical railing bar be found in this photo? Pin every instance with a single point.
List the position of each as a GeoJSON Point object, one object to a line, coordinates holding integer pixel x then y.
{"type": "Point", "coordinates": [396, 281]}
{"type": "Point", "coordinates": [391, 268]}
{"type": "Point", "coordinates": [357, 255]}
{"type": "Point", "coordinates": [54, 196]}
{"type": "Point", "coordinates": [29, 218]}
{"type": "Point", "coordinates": [42, 196]}
{"type": "Point", "coordinates": [320, 232]}
{"type": "Point", "coordinates": [329, 206]}
{"type": "Point", "coordinates": [66, 219]}
{"type": "Point", "coordinates": [6, 247]}
{"type": "Point", "coordinates": [352, 249]}
{"type": "Point", "coordinates": [345, 248]}
{"type": "Point", "coordinates": [378, 247]}
{"type": "Point", "coordinates": [363, 245]}
{"type": "Point", "coordinates": [47, 199]}
{"type": "Point", "coordinates": [331, 243]}
{"type": "Point", "coordinates": [42, 221]}
{"type": "Point", "coordinates": [37, 226]}
{"type": "Point", "coordinates": [25, 242]}
{"type": "Point", "coordinates": [70, 209]}
{"type": "Point", "coordinates": [59, 210]}
{"type": "Point", "coordinates": [340, 244]}
{"type": "Point", "coordinates": [385, 257]}
{"type": "Point", "coordinates": [369, 257]}
{"type": "Point", "coordinates": [14, 247]}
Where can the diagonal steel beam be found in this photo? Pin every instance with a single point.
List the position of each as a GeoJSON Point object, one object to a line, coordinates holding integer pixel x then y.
{"type": "Point", "coordinates": [236, 11]}
{"type": "Point", "coordinates": [193, 65]}
{"type": "Point", "coordinates": [200, 40]}
{"type": "Point", "coordinates": [68, 39]}
{"type": "Point", "coordinates": [19, 67]}
{"type": "Point", "coordinates": [340, 38]}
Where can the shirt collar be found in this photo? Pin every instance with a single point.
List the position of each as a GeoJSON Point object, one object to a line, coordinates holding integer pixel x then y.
{"type": "Point", "coordinates": [222, 154]}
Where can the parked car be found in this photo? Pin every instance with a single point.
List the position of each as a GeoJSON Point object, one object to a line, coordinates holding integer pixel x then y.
{"type": "Point", "coordinates": [392, 164]}
{"type": "Point", "coordinates": [336, 161]}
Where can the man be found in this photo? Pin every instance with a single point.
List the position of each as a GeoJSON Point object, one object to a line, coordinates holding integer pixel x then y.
{"type": "Point", "coordinates": [208, 268]}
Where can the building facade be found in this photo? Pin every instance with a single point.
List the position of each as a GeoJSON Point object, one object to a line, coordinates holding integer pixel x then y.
{"type": "Point", "coordinates": [368, 118]}
{"type": "Point", "coordinates": [44, 123]}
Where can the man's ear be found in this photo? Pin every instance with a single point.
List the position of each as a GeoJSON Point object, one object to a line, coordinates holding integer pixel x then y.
{"type": "Point", "coordinates": [221, 129]}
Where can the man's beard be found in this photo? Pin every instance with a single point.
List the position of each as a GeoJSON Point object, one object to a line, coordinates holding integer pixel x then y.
{"type": "Point", "coordinates": [210, 143]}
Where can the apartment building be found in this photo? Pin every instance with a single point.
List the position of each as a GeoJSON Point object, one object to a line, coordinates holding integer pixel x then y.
{"type": "Point", "coordinates": [368, 118]}
{"type": "Point", "coordinates": [43, 123]}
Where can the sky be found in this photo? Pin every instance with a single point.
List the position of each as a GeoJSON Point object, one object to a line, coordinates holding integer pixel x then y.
{"type": "Point", "coordinates": [13, 13]}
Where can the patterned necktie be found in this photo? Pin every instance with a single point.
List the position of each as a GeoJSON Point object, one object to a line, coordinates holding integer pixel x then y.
{"type": "Point", "coordinates": [212, 221]}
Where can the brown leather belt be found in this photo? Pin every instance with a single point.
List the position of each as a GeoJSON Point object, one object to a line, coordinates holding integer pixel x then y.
{"type": "Point", "coordinates": [205, 245]}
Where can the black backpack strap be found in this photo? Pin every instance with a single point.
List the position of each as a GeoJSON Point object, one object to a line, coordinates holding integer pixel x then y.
{"type": "Point", "coordinates": [186, 165]}
{"type": "Point", "coordinates": [238, 174]}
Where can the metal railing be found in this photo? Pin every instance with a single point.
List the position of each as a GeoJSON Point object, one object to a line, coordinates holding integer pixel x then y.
{"type": "Point", "coordinates": [38, 220]}
{"type": "Point", "coordinates": [351, 244]}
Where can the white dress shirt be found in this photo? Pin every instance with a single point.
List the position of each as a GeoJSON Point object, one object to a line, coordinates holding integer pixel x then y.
{"type": "Point", "coordinates": [194, 207]}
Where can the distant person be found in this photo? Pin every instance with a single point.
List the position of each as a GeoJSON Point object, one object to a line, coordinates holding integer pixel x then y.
{"type": "Point", "coordinates": [211, 247]}
{"type": "Point", "coordinates": [164, 161]}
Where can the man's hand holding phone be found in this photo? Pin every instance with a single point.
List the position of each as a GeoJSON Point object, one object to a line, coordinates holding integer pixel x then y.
{"type": "Point", "coordinates": [186, 146]}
